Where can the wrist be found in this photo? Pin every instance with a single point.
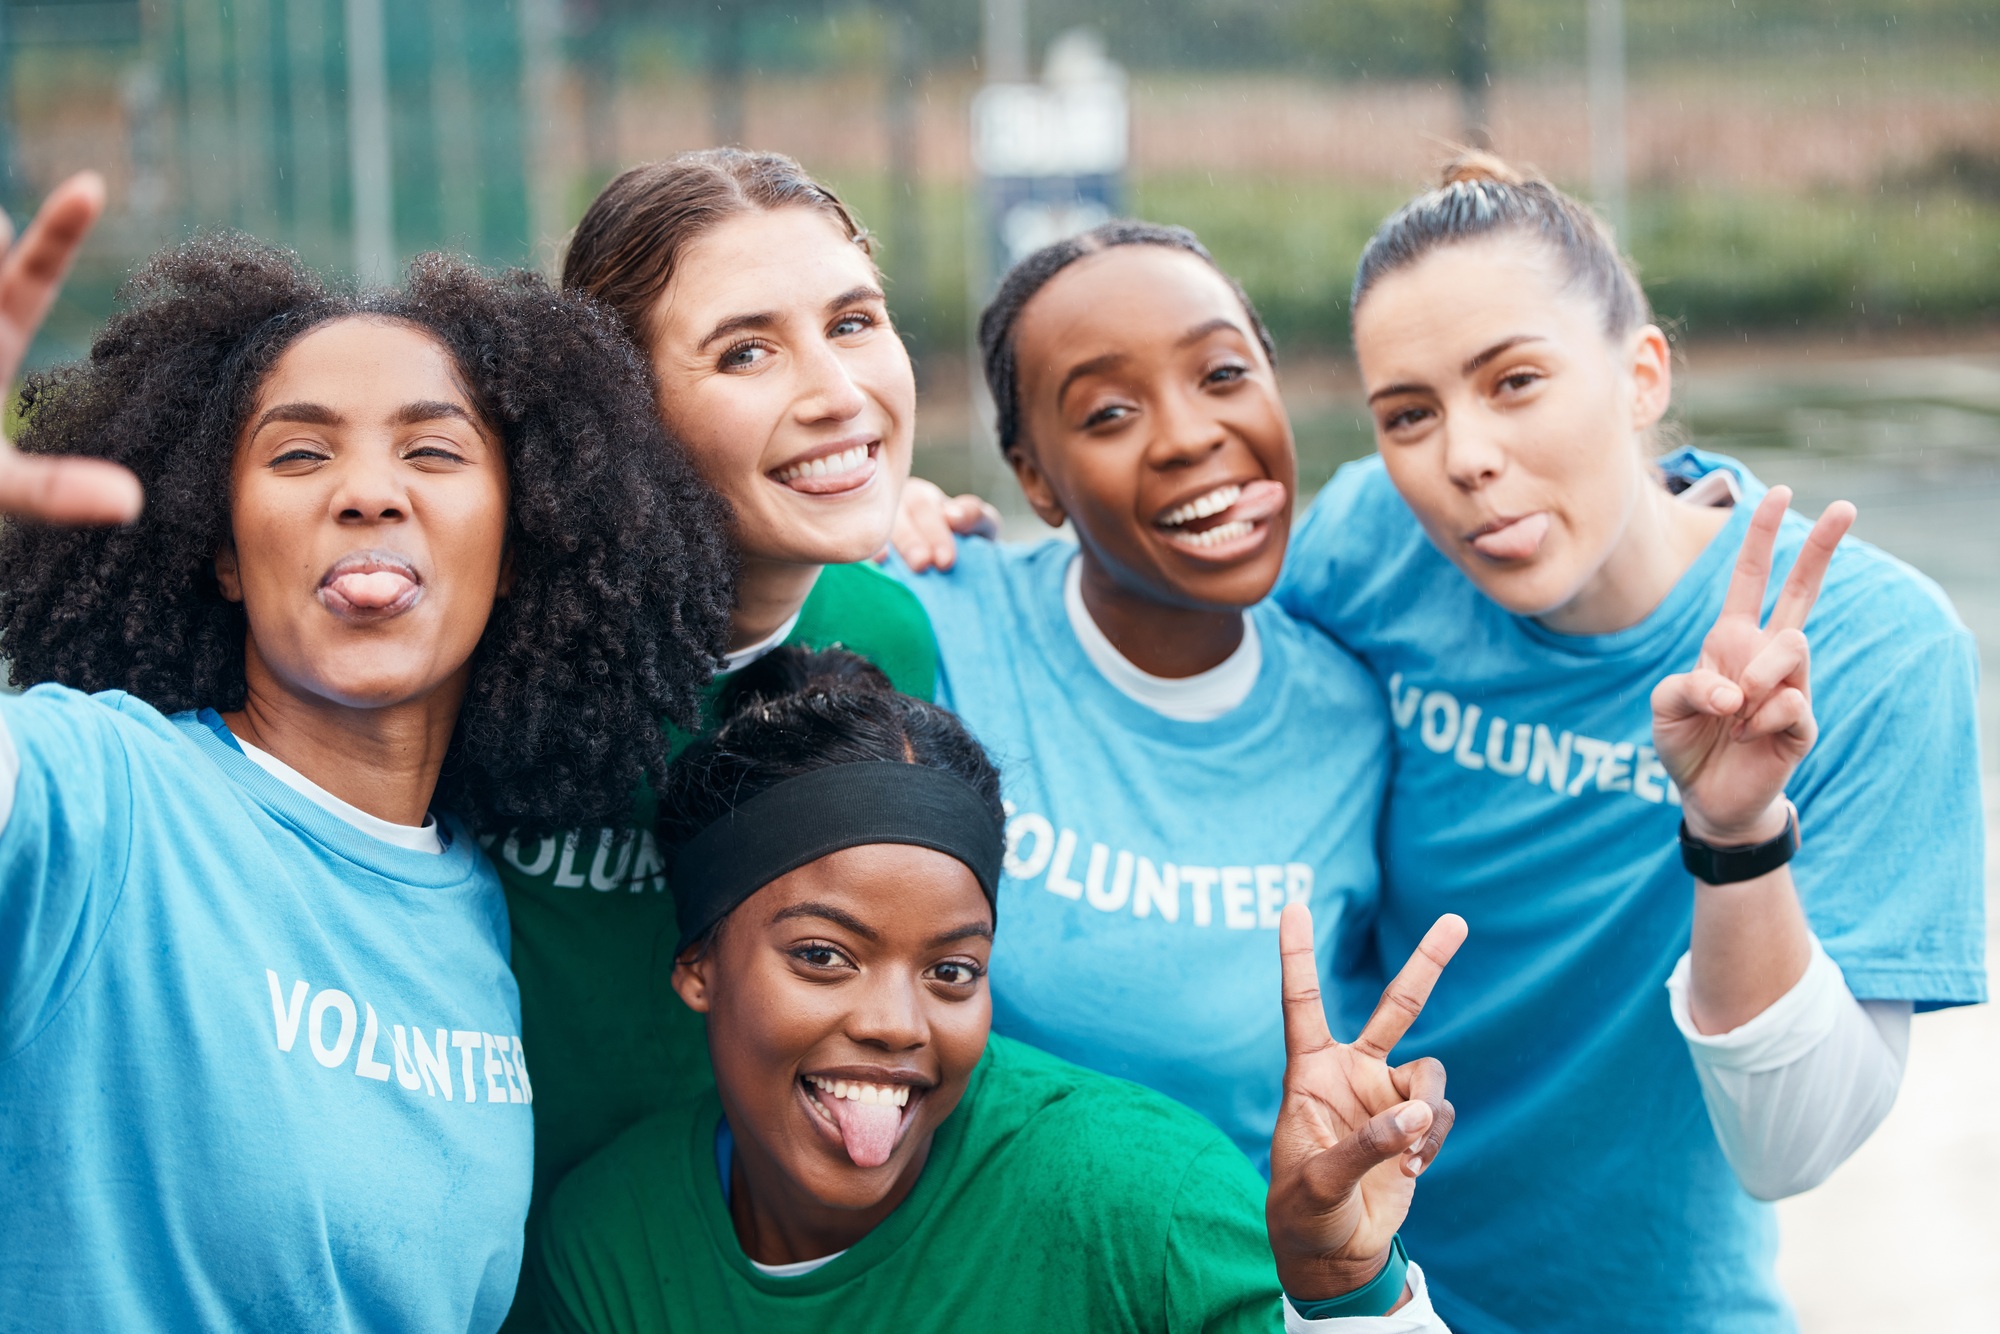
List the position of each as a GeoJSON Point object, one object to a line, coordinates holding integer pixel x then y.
{"type": "Point", "coordinates": [1321, 1278]}
{"type": "Point", "coordinates": [1378, 1295]}
{"type": "Point", "coordinates": [1762, 827]}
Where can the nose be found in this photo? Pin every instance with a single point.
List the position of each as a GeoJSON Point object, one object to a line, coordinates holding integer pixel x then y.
{"type": "Point", "coordinates": [889, 1015]}
{"type": "Point", "coordinates": [1186, 432]}
{"type": "Point", "coordinates": [827, 391]}
{"type": "Point", "coordinates": [369, 489]}
{"type": "Point", "coordinates": [1473, 454]}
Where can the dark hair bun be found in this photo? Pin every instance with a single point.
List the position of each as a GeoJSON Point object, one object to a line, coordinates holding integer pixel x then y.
{"type": "Point", "coordinates": [791, 670]}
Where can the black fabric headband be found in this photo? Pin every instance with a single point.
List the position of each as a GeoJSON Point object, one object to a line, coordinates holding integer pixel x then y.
{"type": "Point", "coordinates": [803, 819]}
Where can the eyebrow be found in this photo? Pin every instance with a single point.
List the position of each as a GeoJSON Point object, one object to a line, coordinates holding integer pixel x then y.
{"type": "Point", "coordinates": [1094, 366]}
{"type": "Point", "coordinates": [1472, 364]}
{"type": "Point", "coordinates": [429, 410]}
{"type": "Point", "coordinates": [970, 931]}
{"type": "Point", "coordinates": [309, 414]}
{"type": "Point", "coordinates": [764, 319]}
{"type": "Point", "coordinates": [1203, 330]}
{"type": "Point", "coordinates": [855, 294]}
{"type": "Point", "coordinates": [827, 912]}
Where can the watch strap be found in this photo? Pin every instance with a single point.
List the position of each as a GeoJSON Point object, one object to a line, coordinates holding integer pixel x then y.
{"type": "Point", "coordinates": [1714, 865]}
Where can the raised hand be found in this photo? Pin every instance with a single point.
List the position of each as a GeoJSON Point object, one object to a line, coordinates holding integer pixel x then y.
{"type": "Point", "coordinates": [1353, 1131]}
{"type": "Point", "coordinates": [1731, 731]}
{"type": "Point", "coordinates": [55, 490]}
{"type": "Point", "coordinates": [929, 524]}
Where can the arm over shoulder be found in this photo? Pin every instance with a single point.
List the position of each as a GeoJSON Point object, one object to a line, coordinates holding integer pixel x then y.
{"type": "Point", "coordinates": [62, 850]}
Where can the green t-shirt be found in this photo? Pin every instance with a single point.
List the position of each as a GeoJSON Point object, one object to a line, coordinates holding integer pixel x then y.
{"type": "Point", "coordinates": [1054, 1199]}
{"type": "Point", "coordinates": [606, 1037]}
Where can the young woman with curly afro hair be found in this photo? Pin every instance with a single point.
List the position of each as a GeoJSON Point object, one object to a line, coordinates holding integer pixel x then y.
{"type": "Point", "coordinates": [346, 584]}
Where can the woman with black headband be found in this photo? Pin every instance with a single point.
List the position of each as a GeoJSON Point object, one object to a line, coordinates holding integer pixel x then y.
{"type": "Point", "coordinates": [870, 1149]}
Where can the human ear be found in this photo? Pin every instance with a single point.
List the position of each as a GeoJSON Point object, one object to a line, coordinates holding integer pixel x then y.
{"type": "Point", "coordinates": [691, 981]}
{"type": "Point", "coordinates": [1651, 362]}
{"type": "Point", "coordinates": [1035, 486]}
{"type": "Point", "coordinates": [228, 574]}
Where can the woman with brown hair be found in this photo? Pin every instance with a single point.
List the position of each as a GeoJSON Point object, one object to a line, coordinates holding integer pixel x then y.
{"type": "Point", "coordinates": [751, 289]}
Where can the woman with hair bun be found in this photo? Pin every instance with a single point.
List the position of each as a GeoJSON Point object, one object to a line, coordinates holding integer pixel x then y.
{"type": "Point", "coordinates": [871, 1151]}
{"type": "Point", "coordinates": [1674, 831]}
{"type": "Point", "coordinates": [414, 567]}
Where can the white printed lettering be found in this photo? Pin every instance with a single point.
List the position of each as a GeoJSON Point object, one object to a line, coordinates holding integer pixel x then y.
{"type": "Point", "coordinates": [1298, 882]}
{"type": "Point", "coordinates": [1059, 881]}
{"type": "Point", "coordinates": [514, 1093]}
{"type": "Point", "coordinates": [1201, 880]}
{"type": "Point", "coordinates": [365, 1064]}
{"type": "Point", "coordinates": [545, 855]}
{"type": "Point", "coordinates": [286, 1015]}
{"type": "Point", "coordinates": [1440, 727]}
{"type": "Point", "coordinates": [1589, 753]}
{"type": "Point", "coordinates": [467, 1043]}
{"type": "Point", "coordinates": [604, 879]}
{"type": "Point", "coordinates": [1514, 761]}
{"type": "Point", "coordinates": [1121, 883]}
{"type": "Point", "coordinates": [1551, 758]}
{"type": "Point", "coordinates": [567, 876]}
{"type": "Point", "coordinates": [406, 1073]}
{"type": "Point", "coordinates": [1402, 703]}
{"type": "Point", "coordinates": [343, 1005]}
{"type": "Point", "coordinates": [1093, 876]}
{"type": "Point", "coordinates": [1027, 865]}
{"type": "Point", "coordinates": [1239, 899]}
{"type": "Point", "coordinates": [1270, 896]}
{"type": "Point", "coordinates": [521, 1071]}
{"type": "Point", "coordinates": [492, 1068]}
{"type": "Point", "coordinates": [1614, 774]}
{"type": "Point", "coordinates": [1468, 737]}
{"type": "Point", "coordinates": [434, 1066]}
{"type": "Point", "coordinates": [1157, 889]}
{"type": "Point", "coordinates": [1646, 773]}
{"type": "Point", "coordinates": [648, 868]}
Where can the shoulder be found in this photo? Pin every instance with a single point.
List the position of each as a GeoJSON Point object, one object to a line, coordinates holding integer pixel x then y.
{"type": "Point", "coordinates": [860, 608]}
{"type": "Point", "coordinates": [990, 586]}
{"type": "Point", "coordinates": [1356, 554]}
{"type": "Point", "coordinates": [599, 1212]}
{"type": "Point", "coordinates": [56, 717]}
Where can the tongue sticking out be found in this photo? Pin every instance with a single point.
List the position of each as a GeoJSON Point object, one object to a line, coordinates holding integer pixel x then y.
{"type": "Point", "coordinates": [867, 1129]}
{"type": "Point", "coordinates": [376, 588]}
{"type": "Point", "coordinates": [1260, 500]}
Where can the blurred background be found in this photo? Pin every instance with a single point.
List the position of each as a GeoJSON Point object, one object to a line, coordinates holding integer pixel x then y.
{"type": "Point", "coordinates": [1811, 189]}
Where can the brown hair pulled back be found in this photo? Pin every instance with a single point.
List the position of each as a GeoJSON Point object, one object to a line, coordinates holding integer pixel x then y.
{"type": "Point", "coordinates": [1481, 195]}
{"type": "Point", "coordinates": [631, 237]}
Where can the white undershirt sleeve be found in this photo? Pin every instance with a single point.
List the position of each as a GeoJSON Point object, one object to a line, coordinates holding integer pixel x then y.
{"type": "Point", "coordinates": [1796, 1090]}
{"type": "Point", "coordinates": [1417, 1316]}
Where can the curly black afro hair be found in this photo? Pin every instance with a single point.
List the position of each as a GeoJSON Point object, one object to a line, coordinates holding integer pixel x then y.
{"type": "Point", "coordinates": [622, 571]}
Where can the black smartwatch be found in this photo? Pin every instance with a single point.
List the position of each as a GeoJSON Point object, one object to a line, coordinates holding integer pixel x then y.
{"type": "Point", "coordinates": [1725, 866]}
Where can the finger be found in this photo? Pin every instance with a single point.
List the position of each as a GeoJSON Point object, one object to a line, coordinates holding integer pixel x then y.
{"type": "Point", "coordinates": [32, 272]}
{"type": "Point", "coordinates": [1785, 660]}
{"type": "Point", "coordinates": [1423, 1080]}
{"type": "Point", "coordinates": [1306, 1032]}
{"type": "Point", "coordinates": [1333, 1174]}
{"type": "Point", "coordinates": [1753, 562]}
{"type": "Point", "coordinates": [1403, 1000]}
{"type": "Point", "coordinates": [1787, 711]}
{"type": "Point", "coordinates": [68, 490]}
{"type": "Point", "coordinates": [970, 516]}
{"type": "Point", "coordinates": [1802, 585]}
{"type": "Point", "coordinates": [1701, 691]}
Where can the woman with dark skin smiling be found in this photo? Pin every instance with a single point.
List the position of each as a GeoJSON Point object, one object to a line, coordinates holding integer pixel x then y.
{"type": "Point", "coordinates": [868, 1148]}
{"type": "Point", "coordinates": [751, 289]}
{"type": "Point", "coordinates": [1586, 653]}
{"type": "Point", "coordinates": [412, 566]}
{"type": "Point", "coordinates": [1183, 758]}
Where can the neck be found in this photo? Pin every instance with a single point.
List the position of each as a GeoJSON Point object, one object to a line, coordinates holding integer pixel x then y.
{"type": "Point", "coordinates": [768, 593]}
{"type": "Point", "coordinates": [1660, 540]}
{"type": "Point", "coordinates": [1159, 638]}
{"type": "Point", "coordinates": [779, 1223]}
{"type": "Point", "coordinates": [384, 760]}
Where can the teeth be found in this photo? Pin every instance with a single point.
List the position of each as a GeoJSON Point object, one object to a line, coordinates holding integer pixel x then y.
{"type": "Point", "coordinates": [1222, 532]}
{"type": "Point", "coordinates": [832, 466]}
{"type": "Point", "coordinates": [1201, 507]}
{"type": "Point", "coordinates": [890, 1095]}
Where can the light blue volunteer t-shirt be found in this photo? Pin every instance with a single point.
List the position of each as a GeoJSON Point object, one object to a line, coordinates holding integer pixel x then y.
{"type": "Point", "coordinates": [1583, 1189]}
{"type": "Point", "coordinates": [1148, 857]}
{"type": "Point", "coordinates": [258, 1070]}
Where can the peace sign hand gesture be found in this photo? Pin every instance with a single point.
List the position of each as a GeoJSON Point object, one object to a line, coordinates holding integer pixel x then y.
{"type": "Point", "coordinates": [55, 490]}
{"type": "Point", "coordinates": [1731, 731]}
{"type": "Point", "coordinates": [1353, 1132]}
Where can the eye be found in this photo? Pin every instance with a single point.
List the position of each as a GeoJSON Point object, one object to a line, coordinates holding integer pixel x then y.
{"type": "Point", "coordinates": [433, 448]}
{"type": "Point", "coordinates": [298, 457]}
{"type": "Point", "coordinates": [1231, 373]}
{"type": "Point", "coordinates": [818, 956]}
{"type": "Point", "coordinates": [1106, 416]}
{"type": "Point", "coordinates": [850, 324]}
{"type": "Point", "coordinates": [1515, 381]}
{"type": "Point", "coordinates": [744, 355]}
{"type": "Point", "coordinates": [1404, 418]}
{"type": "Point", "coordinates": [956, 973]}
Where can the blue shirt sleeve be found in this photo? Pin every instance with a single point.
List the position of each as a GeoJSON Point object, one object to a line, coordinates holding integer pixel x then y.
{"type": "Point", "coordinates": [62, 852]}
{"type": "Point", "coordinates": [1891, 864]}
